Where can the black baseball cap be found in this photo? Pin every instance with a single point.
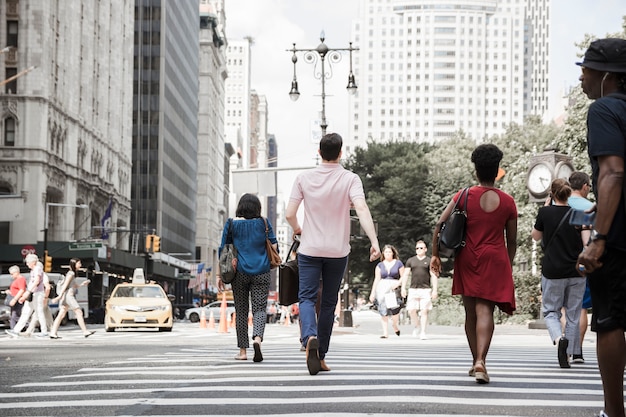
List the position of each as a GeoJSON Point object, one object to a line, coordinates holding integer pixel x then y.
{"type": "Point", "coordinates": [607, 54]}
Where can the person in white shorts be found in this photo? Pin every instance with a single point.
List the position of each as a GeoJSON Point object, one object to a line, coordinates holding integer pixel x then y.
{"type": "Point", "coordinates": [422, 290]}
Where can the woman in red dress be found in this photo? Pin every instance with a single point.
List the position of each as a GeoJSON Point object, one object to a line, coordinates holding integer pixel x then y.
{"type": "Point", "coordinates": [483, 268]}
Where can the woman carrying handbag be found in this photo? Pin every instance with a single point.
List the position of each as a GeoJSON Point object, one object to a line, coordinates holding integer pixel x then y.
{"type": "Point", "coordinates": [252, 280]}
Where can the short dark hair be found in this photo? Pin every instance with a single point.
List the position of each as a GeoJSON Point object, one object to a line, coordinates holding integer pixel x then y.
{"type": "Point", "coordinates": [486, 159]}
{"type": "Point", "coordinates": [249, 207]}
{"type": "Point", "coordinates": [330, 146]}
{"type": "Point", "coordinates": [578, 179]}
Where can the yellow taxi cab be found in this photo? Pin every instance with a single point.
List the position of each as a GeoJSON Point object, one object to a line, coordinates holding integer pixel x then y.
{"type": "Point", "coordinates": [138, 305]}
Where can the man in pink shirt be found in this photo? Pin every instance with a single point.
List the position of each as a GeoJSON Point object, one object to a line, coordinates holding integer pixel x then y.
{"type": "Point", "coordinates": [328, 192]}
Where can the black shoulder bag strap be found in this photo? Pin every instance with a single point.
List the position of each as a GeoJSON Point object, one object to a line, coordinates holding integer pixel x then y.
{"type": "Point", "coordinates": [229, 234]}
{"type": "Point", "coordinates": [565, 217]}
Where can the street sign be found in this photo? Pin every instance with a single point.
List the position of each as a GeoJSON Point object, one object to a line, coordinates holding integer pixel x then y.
{"type": "Point", "coordinates": [85, 245]}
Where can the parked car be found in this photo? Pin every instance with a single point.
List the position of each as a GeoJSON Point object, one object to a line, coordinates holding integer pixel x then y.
{"type": "Point", "coordinates": [194, 314]}
{"type": "Point", "coordinates": [5, 315]}
{"type": "Point", "coordinates": [138, 305]}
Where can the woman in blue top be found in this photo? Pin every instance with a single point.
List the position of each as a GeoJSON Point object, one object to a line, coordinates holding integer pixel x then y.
{"type": "Point", "coordinates": [388, 278]}
{"type": "Point", "coordinates": [252, 281]}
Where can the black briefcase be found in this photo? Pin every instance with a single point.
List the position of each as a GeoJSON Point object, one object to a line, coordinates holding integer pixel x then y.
{"type": "Point", "coordinates": [288, 278]}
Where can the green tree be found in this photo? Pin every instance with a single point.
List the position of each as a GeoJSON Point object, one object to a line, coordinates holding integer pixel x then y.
{"type": "Point", "coordinates": [394, 175]}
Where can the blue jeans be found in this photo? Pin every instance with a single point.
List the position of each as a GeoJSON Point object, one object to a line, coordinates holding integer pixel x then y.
{"type": "Point", "coordinates": [311, 270]}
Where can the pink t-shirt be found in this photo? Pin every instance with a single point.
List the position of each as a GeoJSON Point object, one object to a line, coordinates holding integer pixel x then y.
{"type": "Point", "coordinates": [327, 191]}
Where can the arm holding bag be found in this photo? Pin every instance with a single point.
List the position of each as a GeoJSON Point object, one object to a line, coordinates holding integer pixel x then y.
{"type": "Point", "coordinates": [452, 233]}
{"type": "Point", "coordinates": [228, 258]}
{"type": "Point", "coordinates": [288, 278]}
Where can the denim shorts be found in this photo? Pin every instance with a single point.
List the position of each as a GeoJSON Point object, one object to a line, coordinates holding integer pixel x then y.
{"type": "Point", "coordinates": [608, 292]}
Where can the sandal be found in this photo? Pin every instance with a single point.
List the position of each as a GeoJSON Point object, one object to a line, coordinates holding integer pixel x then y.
{"type": "Point", "coordinates": [480, 372]}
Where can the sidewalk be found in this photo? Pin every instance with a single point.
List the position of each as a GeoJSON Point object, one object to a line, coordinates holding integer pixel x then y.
{"type": "Point", "coordinates": [368, 322]}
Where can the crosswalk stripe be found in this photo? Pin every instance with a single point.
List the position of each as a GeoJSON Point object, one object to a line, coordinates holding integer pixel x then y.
{"type": "Point", "coordinates": [416, 375]}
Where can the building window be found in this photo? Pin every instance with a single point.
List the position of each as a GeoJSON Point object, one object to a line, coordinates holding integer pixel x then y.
{"type": "Point", "coordinates": [9, 131]}
{"type": "Point", "coordinates": [10, 87]}
{"type": "Point", "coordinates": [12, 28]}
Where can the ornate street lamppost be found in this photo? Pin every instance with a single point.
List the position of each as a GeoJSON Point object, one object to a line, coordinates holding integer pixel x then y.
{"type": "Point", "coordinates": [321, 70]}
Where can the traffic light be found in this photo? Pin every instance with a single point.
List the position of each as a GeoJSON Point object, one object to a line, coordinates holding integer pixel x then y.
{"type": "Point", "coordinates": [149, 243]}
{"type": "Point", "coordinates": [156, 243]}
{"type": "Point", "coordinates": [47, 265]}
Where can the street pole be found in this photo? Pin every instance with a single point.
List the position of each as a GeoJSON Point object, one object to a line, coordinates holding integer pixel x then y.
{"type": "Point", "coordinates": [319, 54]}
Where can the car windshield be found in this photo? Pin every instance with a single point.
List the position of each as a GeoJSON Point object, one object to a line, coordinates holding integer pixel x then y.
{"type": "Point", "coordinates": [139, 292]}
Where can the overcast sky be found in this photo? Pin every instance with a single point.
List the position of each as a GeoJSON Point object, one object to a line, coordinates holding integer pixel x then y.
{"type": "Point", "coordinates": [276, 24]}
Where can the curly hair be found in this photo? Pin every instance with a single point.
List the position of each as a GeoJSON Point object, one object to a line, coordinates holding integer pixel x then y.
{"type": "Point", "coordinates": [486, 159]}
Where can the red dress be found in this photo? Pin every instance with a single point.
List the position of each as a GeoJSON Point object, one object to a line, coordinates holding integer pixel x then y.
{"type": "Point", "coordinates": [482, 268]}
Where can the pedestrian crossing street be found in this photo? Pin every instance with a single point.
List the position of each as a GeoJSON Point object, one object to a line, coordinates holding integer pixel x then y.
{"type": "Point", "coordinates": [370, 376]}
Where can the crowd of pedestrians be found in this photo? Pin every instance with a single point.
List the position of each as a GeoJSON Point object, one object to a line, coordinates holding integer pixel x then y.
{"type": "Point", "coordinates": [29, 300]}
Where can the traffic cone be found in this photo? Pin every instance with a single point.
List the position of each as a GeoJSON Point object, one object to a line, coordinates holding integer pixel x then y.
{"type": "Point", "coordinates": [287, 320]}
{"type": "Point", "coordinates": [250, 319]}
{"type": "Point", "coordinates": [223, 319]}
{"type": "Point", "coordinates": [203, 320]}
{"type": "Point", "coordinates": [211, 321]}
{"type": "Point", "coordinates": [232, 319]}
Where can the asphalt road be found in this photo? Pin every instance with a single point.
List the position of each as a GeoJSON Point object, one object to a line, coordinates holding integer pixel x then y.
{"type": "Point", "coordinates": [191, 371]}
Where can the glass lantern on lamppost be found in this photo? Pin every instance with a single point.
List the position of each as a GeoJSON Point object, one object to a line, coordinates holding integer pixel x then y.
{"type": "Point", "coordinates": [322, 70]}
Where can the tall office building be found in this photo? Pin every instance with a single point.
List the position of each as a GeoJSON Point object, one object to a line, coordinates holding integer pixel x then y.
{"type": "Point", "coordinates": [238, 91]}
{"type": "Point", "coordinates": [428, 69]}
{"type": "Point", "coordinates": [213, 154]}
{"type": "Point", "coordinates": [165, 121]}
{"type": "Point", "coordinates": [65, 125]}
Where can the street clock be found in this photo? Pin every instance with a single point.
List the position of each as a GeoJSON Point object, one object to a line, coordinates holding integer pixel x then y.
{"type": "Point", "coordinates": [543, 169]}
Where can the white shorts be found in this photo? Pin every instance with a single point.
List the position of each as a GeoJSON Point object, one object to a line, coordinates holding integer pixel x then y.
{"type": "Point", "coordinates": [419, 299]}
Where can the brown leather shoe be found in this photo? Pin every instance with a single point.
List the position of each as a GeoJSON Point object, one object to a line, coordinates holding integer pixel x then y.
{"type": "Point", "coordinates": [312, 356]}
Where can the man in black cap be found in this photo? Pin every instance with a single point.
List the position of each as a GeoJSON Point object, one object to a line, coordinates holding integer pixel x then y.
{"type": "Point", "coordinates": [603, 79]}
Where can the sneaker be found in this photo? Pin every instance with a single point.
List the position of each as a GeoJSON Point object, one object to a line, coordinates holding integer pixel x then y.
{"type": "Point", "coordinates": [562, 353]}
{"type": "Point", "coordinates": [12, 333]}
{"type": "Point", "coordinates": [423, 336]}
{"type": "Point", "coordinates": [578, 359]}
{"type": "Point", "coordinates": [414, 334]}
{"type": "Point", "coordinates": [42, 335]}
{"type": "Point", "coordinates": [602, 414]}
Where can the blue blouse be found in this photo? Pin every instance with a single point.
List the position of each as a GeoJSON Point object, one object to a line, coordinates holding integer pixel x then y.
{"type": "Point", "coordinates": [249, 239]}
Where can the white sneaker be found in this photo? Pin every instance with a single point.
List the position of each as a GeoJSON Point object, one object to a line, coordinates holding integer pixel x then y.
{"type": "Point", "coordinates": [415, 332]}
{"type": "Point", "coordinates": [12, 333]}
{"type": "Point", "coordinates": [423, 336]}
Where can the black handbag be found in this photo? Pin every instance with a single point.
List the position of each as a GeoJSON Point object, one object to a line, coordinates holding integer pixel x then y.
{"type": "Point", "coordinates": [452, 233]}
{"type": "Point", "coordinates": [288, 278]}
{"type": "Point", "coordinates": [228, 258]}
